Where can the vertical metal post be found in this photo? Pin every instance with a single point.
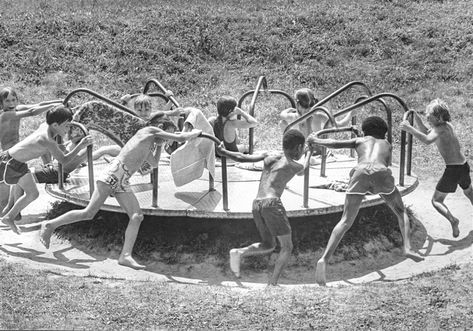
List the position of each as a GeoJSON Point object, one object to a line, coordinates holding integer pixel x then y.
{"type": "Point", "coordinates": [154, 179]}
{"type": "Point", "coordinates": [306, 186]}
{"type": "Point", "coordinates": [224, 183]}
{"type": "Point", "coordinates": [90, 166]}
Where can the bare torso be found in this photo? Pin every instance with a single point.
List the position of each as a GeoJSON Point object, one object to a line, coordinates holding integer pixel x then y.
{"type": "Point", "coordinates": [372, 150]}
{"type": "Point", "coordinates": [33, 146]}
{"type": "Point", "coordinates": [448, 145]}
{"type": "Point", "coordinates": [278, 171]}
{"type": "Point", "coordinates": [9, 129]}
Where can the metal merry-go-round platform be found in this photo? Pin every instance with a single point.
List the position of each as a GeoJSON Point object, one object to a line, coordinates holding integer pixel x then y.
{"type": "Point", "coordinates": [229, 194]}
{"type": "Point", "coordinates": [194, 200]}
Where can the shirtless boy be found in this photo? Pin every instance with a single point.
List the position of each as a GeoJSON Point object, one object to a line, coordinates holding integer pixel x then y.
{"type": "Point", "coordinates": [145, 145]}
{"type": "Point", "coordinates": [371, 175]}
{"type": "Point", "coordinates": [268, 212]}
{"type": "Point", "coordinates": [457, 170]}
{"type": "Point", "coordinates": [13, 168]}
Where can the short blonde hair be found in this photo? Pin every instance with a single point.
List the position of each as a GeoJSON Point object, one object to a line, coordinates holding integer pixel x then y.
{"type": "Point", "coordinates": [439, 109]}
{"type": "Point", "coordinates": [143, 99]}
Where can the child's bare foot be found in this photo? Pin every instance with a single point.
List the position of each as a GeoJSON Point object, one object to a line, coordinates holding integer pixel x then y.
{"type": "Point", "coordinates": [11, 224]}
{"type": "Point", "coordinates": [235, 257]}
{"type": "Point", "coordinates": [320, 273]}
{"type": "Point", "coordinates": [45, 234]}
{"type": "Point", "coordinates": [413, 255]}
{"type": "Point", "coordinates": [455, 229]}
{"type": "Point", "coordinates": [128, 261]}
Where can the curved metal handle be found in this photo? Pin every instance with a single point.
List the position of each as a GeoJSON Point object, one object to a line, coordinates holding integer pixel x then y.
{"type": "Point", "coordinates": [153, 81]}
{"type": "Point", "coordinates": [98, 96]}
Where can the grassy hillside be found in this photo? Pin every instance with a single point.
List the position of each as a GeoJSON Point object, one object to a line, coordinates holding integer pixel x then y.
{"type": "Point", "coordinates": [203, 49]}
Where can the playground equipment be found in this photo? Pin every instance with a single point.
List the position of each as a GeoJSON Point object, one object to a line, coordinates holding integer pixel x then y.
{"type": "Point", "coordinates": [230, 193]}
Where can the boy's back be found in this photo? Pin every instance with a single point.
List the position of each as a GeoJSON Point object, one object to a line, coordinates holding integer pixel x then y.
{"type": "Point", "coordinates": [277, 172]}
{"type": "Point", "coordinates": [32, 146]}
{"type": "Point", "coordinates": [373, 150]}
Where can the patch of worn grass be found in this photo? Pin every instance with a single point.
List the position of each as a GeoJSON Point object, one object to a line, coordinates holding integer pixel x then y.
{"type": "Point", "coordinates": [40, 300]}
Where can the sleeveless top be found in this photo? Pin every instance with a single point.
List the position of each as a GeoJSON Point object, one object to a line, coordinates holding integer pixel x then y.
{"type": "Point", "coordinates": [219, 127]}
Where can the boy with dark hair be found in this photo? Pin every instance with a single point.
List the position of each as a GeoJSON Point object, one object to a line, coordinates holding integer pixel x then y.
{"type": "Point", "coordinates": [268, 212]}
{"type": "Point", "coordinates": [370, 175]}
{"type": "Point", "coordinates": [145, 145]}
{"type": "Point", "coordinates": [13, 168]}
{"type": "Point", "coordinates": [457, 171]}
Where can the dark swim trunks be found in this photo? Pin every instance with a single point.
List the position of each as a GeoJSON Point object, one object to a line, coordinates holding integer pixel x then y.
{"type": "Point", "coordinates": [457, 174]}
{"type": "Point", "coordinates": [270, 218]}
{"type": "Point", "coordinates": [48, 174]}
{"type": "Point", "coordinates": [11, 170]}
{"type": "Point", "coordinates": [371, 178]}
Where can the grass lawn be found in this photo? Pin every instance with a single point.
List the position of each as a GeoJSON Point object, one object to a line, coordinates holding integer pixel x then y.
{"type": "Point", "coordinates": [202, 49]}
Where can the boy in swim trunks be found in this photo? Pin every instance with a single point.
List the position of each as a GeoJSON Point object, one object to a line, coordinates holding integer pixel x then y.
{"type": "Point", "coordinates": [371, 175]}
{"type": "Point", "coordinates": [268, 212]}
{"type": "Point", "coordinates": [13, 168]}
{"type": "Point", "coordinates": [145, 145]}
{"type": "Point", "coordinates": [457, 170]}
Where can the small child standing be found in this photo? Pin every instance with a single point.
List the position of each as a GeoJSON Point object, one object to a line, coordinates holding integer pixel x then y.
{"type": "Point", "coordinates": [457, 170]}
{"type": "Point", "coordinates": [145, 145]}
{"type": "Point", "coordinates": [268, 212]}
{"type": "Point", "coordinates": [11, 112]}
{"type": "Point", "coordinates": [371, 175]}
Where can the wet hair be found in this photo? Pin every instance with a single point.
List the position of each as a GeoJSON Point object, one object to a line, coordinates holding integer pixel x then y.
{"type": "Point", "coordinates": [142, 99]}
{"type": "Point", "coordinates": [292, 138]}
{"type": "Point", "coordinates": [225, 105]}
{"type": "Point", "coordinates": [374, 126]}
{"type": "Point", "coordinates": [160, 120]}
{"type": "Point", "coordinates": [439, 109]}
{"type": "Point", "coordinates": [305, 97]}
{"type": "Point", "coordinates": [5, 92]}
{"type": "Point", "coordinates": [59, 115]}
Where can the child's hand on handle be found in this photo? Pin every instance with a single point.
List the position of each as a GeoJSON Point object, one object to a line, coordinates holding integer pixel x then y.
{"type": "Point", "coordinates": [405, 125]}
{"type": "Point", "coordinates": [86, 141]}
{"type": "Point", "coordinates": [194, 133]}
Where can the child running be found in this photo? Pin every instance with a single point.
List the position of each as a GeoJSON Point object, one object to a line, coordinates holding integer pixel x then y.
{"type": "Point", "coordinates": [457, 171]}
{"type": "Point", "coordinates": [13, 168]}
{"type": "Point", "coordinates": [268, 212]}
{"type": "Point", "coordinates": [145, 145]}
{"type": "Point", "coordinates": [371, 175]}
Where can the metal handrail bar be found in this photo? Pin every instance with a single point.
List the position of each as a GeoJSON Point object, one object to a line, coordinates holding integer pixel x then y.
{"type": "Point", "coordinates": [307, 170]}
{"type": "Point", "coordinates": [402, 164]}
{"type": "Point", "coordinates": [311, 113]}
{"type": "Point", "coordinates": [90, 163]}
{"type": "Point", "coordinates": [155, 82]}
{"type": "Point", "coordinates": [98, 96]}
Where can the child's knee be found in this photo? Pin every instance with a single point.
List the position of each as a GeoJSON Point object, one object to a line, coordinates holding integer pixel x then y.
{"type": "Point", "coordinates": [137, 218]}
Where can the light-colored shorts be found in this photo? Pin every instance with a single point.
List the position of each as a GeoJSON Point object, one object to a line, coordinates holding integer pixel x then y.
{"type": "Point", "coordinates": [371, 178]}
{"type": "Point", "coordinates": [117, 177]}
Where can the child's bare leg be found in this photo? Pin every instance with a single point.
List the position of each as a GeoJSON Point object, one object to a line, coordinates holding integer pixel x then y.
{"type": "Point", "coordinates": [260, 248]}
{"type": "Point", "coordinates": [439, 205]}
{"type": "Point", "coordinates": [394, 201]}
{"type": "Point", "coordinates": [4, 198]}
{"type": "Point", "coordinates": [350, 210]}
{"type": "Point", "coordinates": [100, 194]}
{"type": "Point", "coordinates": [28, 185]}
{"type": "Point", "coordinates": [130, 204]}
{"type": "Point", "coordinates": [283, 258]}
{"type": "Point", "coordinates": [468, 192]}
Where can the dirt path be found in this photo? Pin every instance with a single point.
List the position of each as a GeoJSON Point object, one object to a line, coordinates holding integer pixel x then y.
{"type": "Point", "coordinates": [439, 248]}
